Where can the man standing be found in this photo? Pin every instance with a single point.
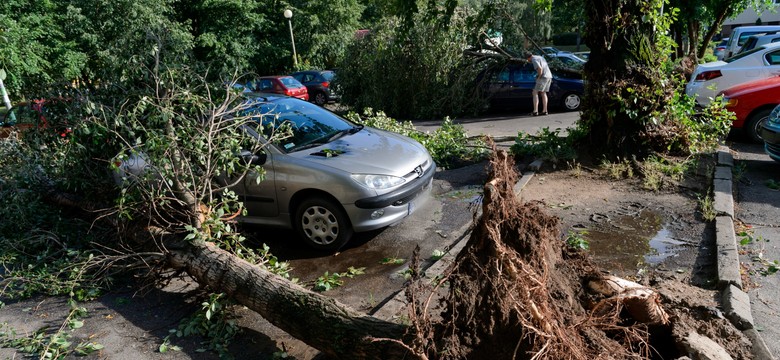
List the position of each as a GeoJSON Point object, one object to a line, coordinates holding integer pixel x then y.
{"type": "Point", "coordinates": [543, 81]}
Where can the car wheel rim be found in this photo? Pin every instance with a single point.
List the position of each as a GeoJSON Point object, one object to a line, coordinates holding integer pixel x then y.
{"type": "Point", "coordinates": [572, 102]}
{"type": "Point", "coordinates": [319, 99]}
{"type": "Point", "coordinates": [320, 225]}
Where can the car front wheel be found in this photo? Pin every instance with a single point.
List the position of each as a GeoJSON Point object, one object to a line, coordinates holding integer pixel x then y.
{"type": "Point", "coordinates": [754, 123]}
{"type": "Point", "coordinates": [322, 224]}
{"type": "Point", "coordinates": [572, 101]}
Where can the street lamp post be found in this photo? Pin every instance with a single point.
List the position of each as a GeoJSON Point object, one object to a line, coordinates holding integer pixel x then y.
{"type": "Point", "coordinates": [288, 15]}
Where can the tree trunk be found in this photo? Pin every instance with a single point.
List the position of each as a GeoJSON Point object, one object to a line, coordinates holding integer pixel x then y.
{"type": "Point", "coordinates": [319, 321]}
{"type": "Point", "coordinates": [625, 89]}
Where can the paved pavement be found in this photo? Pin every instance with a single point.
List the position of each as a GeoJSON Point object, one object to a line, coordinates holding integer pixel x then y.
{"type": "Point", "coordinates": [500, 125]}
{"type": "Point", "coordinates": [757, 207]}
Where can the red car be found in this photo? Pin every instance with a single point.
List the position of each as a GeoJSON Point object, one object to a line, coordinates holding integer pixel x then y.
{"type": "Point", "coordinates": [33, 115]}
{"type": "Point", "coordinates": [752, 102]}
{"type": "Point", "coordinates": [284, 85]}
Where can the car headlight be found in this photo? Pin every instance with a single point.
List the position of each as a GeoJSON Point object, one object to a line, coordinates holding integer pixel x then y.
{"type": "Point", "coordinates": [378, 182]}
{"type": "Point", "coordinates": [774, 116]}
{"type": "Point", "coordinates": [729, 102]}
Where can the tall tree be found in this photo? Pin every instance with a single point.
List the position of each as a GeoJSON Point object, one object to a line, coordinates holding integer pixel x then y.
{"type": "Point", "coordinates": [626, 89]}
{"type": "Point", "coordinates": [700, 20]}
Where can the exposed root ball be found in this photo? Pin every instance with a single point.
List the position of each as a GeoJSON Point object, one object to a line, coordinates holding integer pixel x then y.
{"type": "Point", "coordinates": [515, 290]}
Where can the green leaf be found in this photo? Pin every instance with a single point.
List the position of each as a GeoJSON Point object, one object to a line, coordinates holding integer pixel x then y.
{"type": "Point", "coordinates": [2, 74]}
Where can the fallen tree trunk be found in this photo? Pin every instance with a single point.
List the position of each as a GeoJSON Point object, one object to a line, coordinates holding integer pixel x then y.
{"type": "Point", "coordinates": [321, 322]}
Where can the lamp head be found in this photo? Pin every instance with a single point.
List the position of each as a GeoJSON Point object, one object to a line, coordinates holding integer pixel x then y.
{"type": "Point", "coordinates": [288, 13]}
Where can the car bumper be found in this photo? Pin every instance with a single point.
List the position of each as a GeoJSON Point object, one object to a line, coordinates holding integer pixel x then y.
{"type": "Point", "coordinates": [385, 210]}
{"type": "Point", "coordinates": [700, 91]}
{"type": "Point", "coordinates": [771, 136]}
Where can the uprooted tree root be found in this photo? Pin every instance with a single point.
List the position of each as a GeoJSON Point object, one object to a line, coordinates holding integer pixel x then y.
{"type": "Point", "coordinates": [516, 292]}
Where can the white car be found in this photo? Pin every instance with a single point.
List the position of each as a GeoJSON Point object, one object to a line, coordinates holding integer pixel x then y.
{"type": "Point", "coordinates": [711, 78]}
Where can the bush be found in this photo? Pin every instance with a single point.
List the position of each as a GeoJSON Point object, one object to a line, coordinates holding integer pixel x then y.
{"type": "Point", "coordinates": [565, 39]}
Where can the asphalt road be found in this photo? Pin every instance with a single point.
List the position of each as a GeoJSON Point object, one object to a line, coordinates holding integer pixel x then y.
{"type": "Point", "coordinates": [757, 205]}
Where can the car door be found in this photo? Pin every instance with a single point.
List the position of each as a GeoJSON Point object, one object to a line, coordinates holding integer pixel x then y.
{"type": "Point", "coordinates": [523, 81]}
{"type": "Point", "coordinates": [772, 60]}
{"type": "Point", "coordinates": [499, 87]}
{"type": "Point", "coordinates": [259, 197]}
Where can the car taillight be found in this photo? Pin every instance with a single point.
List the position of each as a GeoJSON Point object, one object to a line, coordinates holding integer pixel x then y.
{"type": "Point", "coordinates": [720, 48]}
{"type": "Point", "coordinates": [730, 102]}
{"type": "Point", "coordinates": [325, 84]}
{"type": "Point", "coordinates": [708, 75]}
{"type": "Point", "coordinates": [288, 92]}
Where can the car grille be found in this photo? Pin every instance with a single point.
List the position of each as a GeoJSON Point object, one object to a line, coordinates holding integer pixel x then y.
{"type": "Point", "coordinates": [418, 171]}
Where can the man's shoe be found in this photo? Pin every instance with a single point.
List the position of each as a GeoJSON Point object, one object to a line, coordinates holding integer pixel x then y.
{"type": "Point", "coordinates": [544, 113]}
{"type": "Point", "coordinates": [535, 113]}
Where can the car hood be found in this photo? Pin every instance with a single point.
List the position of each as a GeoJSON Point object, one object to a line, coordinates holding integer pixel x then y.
{"type": "Point", "coordinates": [770, 84]}
{"type": "Point", "coordinates": [369, 151]}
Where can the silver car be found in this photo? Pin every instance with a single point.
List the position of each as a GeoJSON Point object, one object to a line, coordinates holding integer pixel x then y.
{"type": "Point", "coordinates": [332, 177]}
{"type": "Point", "coordinates": [327, 180]}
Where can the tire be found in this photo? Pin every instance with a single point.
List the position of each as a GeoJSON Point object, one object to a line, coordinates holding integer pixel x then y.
{"type": "Point", "coordinates": [322, 224]}
{"type": "Point", "coordinates": [320, 98]}
{"type": "Point", "coordinates": [753, 123]}
{"type": "Point", "coordinates": [571, 102]}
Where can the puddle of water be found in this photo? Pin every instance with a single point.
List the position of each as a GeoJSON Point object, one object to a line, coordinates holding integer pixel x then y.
{"type": "Point", "coordinates": [628, 243]}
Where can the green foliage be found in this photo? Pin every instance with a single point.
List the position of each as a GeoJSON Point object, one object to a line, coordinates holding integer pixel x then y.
{"type": "Point", "coordinates": [577, 240]}
{"type": "Point", "coordinates": [707, 207]}
{"type": "Point", "coordinates": [618, 170]}
{"type": "Point", "coordinates": [657, 171]}
{"type": "Point", "coordinates": [547, 145]}
{"type": "Point", "coordinates": [437, 254]}
{"type": "Point", "coordinates": [42, 249]}
{"type": "Point", "coordinates": [215, 321]}
{"type": "Point", "coordinates": [449, 145]}
{"type": "Point", "coordinates": [48, 344]}
{"type": "Point", "coordinates": [773, 184]}
{"type": "Point", "coordinates": [329, 281]}
{"type": "Point", "coordinates": [416, 72]}
{"type": "Point", "coordinates": [392, 261]}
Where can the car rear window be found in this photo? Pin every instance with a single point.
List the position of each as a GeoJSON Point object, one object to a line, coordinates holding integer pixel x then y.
{"type": "Point", "coordinates": [744, 54]}
{"type": "Point", "coordinates": [290, 82]}
{"type": "Point", "coordinates": [328, 75]}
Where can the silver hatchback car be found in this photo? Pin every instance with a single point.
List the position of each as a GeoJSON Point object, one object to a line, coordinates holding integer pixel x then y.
{"type": "Point", "coordinates": [330, 178]}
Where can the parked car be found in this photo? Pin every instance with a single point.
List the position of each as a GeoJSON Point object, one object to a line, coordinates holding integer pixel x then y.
{"type": "Point", "coordinates": [511, 86]}
{"type": "Point", "coordinates": [720, 50]}
{"type": "Point", "coordinates": [550, 50]}
{"type": "Point", "coordinates": [319, 84]}
{"type": "Point", "coordinates": [752, 102]}
{"type": "Point", "coordinates": [758, 40]}
{"type": "Point", "coordinates": [36, 115]}
{"type": "Point", "coordinates": [568, 60]}
{"type": "Point", "coordinates": [327, 180]}
{"type": "Point", "coordinates": [584, 55]}
{"type": "Point", "coordinates": [770, 133]}
{"type": "Point", "coordinates": [709, 79]}
{"type": "Point", "coordinates": [741, 34]}
{"type": "Point", "coordinates": [284, 85]}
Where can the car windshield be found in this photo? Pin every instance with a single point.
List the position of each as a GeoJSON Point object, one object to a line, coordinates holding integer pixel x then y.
{"type": "Point", "coordinates": [309, 124]}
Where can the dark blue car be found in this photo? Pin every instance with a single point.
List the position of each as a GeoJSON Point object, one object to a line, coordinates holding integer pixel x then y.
{"type": "Point", "coordinates": [511, 86]}
{"type": "Point", "coordinates": [770, 133]}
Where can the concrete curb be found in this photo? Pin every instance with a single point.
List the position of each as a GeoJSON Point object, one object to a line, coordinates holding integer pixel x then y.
{"type": "Point", "coordinates": [735, 302]}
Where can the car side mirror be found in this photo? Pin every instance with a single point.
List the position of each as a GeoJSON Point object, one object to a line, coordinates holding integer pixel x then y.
{"type": "Point", "coordinates": [253, 159]}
